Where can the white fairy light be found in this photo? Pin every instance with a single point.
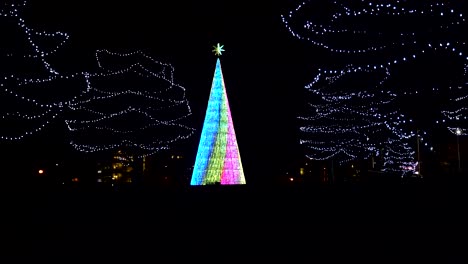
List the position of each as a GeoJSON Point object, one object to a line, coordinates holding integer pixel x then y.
{"type": "Point", "coordinates": [159, 101]}
{"type": "Point", "coordinates": [370, 111]}
{"type": "Point", "coordinates": [145, 87]}
{"type": "Point", "coordinates": [26, 114]}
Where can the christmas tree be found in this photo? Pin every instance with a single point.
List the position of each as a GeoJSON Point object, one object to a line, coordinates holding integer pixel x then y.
{"type": "Point", "coordinates": [218, 160]}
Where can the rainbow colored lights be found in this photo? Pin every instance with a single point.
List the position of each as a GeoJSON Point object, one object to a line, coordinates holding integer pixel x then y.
{"type": "Point", "coordinates": [218, 160]}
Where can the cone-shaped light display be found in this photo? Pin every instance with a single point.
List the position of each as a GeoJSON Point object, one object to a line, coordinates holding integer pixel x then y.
{"type": "Point", "coordinates": [218, 160]}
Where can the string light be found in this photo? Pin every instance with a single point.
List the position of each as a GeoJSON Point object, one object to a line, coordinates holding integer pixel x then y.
{"type": "Point", "coordinates": [137, 106]}
{"type": "Point", "coordinates": [143, 90]}
{"type": "Point", "coordinates": [26, 109]}
{"type": "Point", "coordinates": [355, 122]}
{"type": "Point", "coordinates": [371, 112]}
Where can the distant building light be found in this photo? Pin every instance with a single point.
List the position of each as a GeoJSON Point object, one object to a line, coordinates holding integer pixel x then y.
{"type": "Point", "coordinates": [99, 180]}
{"type": "Point", "coordinates": [99, 171]}
{"type": "Point", "coordinates": [75, 179]}
{"type": "Point", "coordinates": [41, 171]}
{"type": "Point", "coordinates": [291, 179]}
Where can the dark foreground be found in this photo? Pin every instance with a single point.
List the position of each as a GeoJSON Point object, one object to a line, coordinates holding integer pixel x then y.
{"type": "Point", "coordinates": [327, 224]}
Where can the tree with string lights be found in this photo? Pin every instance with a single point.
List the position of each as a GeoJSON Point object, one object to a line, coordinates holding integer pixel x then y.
{"type": "Point", "coordinates": [399, 43]}
{"type": "Point", "coordinates": [133, 103]}
{"type": "Point", "coordinates": [131, 108]}
{"type": "Point", "coordinates": [32, 93]}
{"type": "Point", "coordinates": [352, 121]}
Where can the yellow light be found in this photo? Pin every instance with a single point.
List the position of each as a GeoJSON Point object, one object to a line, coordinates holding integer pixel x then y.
{"type": "Point", "coordinates": [218, 49]}
{"type": "Point", "coordinates": [41, 171]}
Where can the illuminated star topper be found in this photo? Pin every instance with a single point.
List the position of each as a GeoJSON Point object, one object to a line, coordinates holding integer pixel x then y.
{"type": "Point", "coordinates": [218, 49]}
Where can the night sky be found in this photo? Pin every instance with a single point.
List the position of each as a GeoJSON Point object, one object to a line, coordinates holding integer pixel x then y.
{"type": "Point", "coordinates": [265, 68]}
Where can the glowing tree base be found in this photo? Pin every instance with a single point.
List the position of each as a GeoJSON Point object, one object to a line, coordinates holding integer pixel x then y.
{"type": "Point", "coordinates": [218, 160]}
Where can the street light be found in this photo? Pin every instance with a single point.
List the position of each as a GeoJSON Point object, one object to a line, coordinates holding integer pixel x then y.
{"type": "Point", "coordinates": [458, 133]}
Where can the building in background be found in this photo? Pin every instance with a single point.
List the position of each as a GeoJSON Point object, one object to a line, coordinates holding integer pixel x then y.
{"type": "Point", "coordinates": [121, 169]}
